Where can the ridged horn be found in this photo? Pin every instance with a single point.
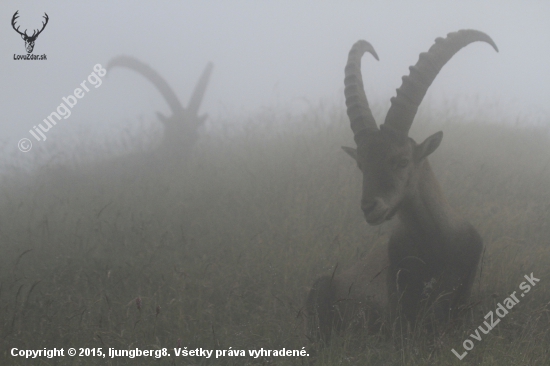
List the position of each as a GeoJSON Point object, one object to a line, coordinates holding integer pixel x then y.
{"type": "Point", "coordinates": [200, 89]}
{"type": "Point", "coordinates": [411, 92]}
{"type": "Point", "coordinates": [151, 75]}
{"type": "Point", "coordinates": [359, 113]}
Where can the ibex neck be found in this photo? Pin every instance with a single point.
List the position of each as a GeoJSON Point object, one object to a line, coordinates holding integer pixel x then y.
{"type": "Point", "coordinates": [425, 213]}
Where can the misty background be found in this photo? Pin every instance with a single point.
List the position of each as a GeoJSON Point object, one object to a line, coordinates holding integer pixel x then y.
{"type": "Point", "coordinates": [109, 240]}
{"type": "Point", "coordinates": [266, 55]}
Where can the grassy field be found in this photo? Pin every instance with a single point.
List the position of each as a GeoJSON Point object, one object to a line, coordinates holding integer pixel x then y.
{"type": "Point", "coordinates": [219, 252]}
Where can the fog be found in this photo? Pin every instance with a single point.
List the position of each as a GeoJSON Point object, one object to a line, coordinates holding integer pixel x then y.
{"type": "Point", "coordinates": [250, 234]}
{"type": "Point", "coordinates": [283, 54]}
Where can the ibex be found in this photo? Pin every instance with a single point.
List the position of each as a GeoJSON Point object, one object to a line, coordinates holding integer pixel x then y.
{"type": "Point", "coordinates": [29, 40]}
{"type": "Point", "coordinates": [181, 128]}
{"type": "Point", "coordinates": [433, 253]}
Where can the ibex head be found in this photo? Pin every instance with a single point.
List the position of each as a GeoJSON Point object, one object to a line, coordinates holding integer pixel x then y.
{"type": "Point", "coordinates": [391, 161]}
{"type": "Point", "coordinates": [181, 128]}
{"type": "Point", "coordinates": [29, 40]}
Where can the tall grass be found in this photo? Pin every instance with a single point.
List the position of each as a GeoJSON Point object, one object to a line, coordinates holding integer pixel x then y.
{"type": "Point", "coordinates": [219, 250]}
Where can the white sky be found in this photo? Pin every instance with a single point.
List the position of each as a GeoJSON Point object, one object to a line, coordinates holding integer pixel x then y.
{"type": "Point", "coordinates": [265, 54]}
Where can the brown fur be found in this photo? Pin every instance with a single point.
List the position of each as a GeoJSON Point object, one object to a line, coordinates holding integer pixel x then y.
{"type": "Point", "coordinates": [351, 300]}
{"type": "Point", "coordinates": [433, 252]}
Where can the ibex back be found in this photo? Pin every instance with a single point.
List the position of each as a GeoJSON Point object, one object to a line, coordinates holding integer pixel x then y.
{"type": "Point", "coordinates": [433, 252]}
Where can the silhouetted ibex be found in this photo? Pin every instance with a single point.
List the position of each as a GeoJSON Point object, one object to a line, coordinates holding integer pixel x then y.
{"type": "Point", "coordinates": [433, 253]}
{"type": "Point", "coordinates": [181, 128]}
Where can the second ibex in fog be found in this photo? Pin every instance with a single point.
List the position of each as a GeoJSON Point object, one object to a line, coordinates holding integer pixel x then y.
{"type": "Point", "coordinates": [181, 129]}
{"type": "Point", "coordinates": [433, 252]}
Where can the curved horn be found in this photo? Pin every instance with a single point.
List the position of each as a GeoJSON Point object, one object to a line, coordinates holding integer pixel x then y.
{"type": "Point", "coordinates": [198, 93]}
{"type": "Point", "coordinates": [153, 77]}
{"type": "Point", "coordinates": [359, 113]}
{"type": "Point", "coordinates": [410, 94]}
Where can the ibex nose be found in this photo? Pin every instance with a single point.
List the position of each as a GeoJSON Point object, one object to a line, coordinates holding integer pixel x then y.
{"type": "Point", "coordinates": [368, 206]}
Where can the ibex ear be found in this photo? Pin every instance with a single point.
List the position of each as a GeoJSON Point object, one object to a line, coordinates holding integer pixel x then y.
{"type": "Point", "coordinates": [351, 152]}
{"type": "Point", "coordinates": [428, 146]}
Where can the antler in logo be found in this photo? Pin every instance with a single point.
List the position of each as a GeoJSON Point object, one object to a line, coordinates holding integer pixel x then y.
{"type": "Point", "coordinates": [29, 40]}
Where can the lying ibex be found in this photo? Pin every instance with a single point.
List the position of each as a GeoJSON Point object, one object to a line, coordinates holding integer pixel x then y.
{"type": "Point", "coordinates": [181, 128]}
{"type": "Point", "coordinates": [433, 252]}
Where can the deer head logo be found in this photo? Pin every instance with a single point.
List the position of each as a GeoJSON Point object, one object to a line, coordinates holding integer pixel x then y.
{"type": "Point", "coordinates": [29, 40]}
